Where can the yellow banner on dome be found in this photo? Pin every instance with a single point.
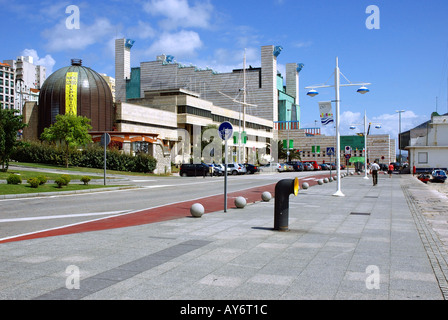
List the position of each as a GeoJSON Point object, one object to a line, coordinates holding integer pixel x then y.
{"type": "Point", "coordinates": [71, 93]}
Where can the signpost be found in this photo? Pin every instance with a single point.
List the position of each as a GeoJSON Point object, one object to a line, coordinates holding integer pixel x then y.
{"type": "Point", "coordinates": [105, 140]}
{"type": "Point", "coordinates": [225, 133]}
{"type": "Point", "coordinates": [330, 152]}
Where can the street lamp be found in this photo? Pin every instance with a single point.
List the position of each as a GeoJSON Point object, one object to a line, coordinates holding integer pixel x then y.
{"type": "Point", "coordinates": [377, 126]}
{"type": "Point", "coordinates": [336, 85]}
{"type": "Point", "coordinates": [399, 132]}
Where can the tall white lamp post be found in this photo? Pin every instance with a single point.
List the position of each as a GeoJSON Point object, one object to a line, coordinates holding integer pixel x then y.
{"type": "Point", "coordinates": [336, 85]}
{"type": "Point", "coordinates": [377, 126]}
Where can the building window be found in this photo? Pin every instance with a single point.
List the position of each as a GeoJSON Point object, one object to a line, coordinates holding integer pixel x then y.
{"type": "Point", "coordinates": [423, 157]}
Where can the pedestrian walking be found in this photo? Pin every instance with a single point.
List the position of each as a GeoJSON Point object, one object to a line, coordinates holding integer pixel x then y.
{"type": "Point", "coordinates": [390, 169]}
{"type": "Point", "coordinates": [374, 172]}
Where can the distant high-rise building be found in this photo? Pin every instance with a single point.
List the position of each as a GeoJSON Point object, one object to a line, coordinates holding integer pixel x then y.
{"type": "Point", "coordinates": [6, 86]}
{"type": "Point", "coordinates": [111, 82]}
{"type": "Point", "coordinates": [28, 79]}
{"type": "Point", "coordinates": [122, 67]}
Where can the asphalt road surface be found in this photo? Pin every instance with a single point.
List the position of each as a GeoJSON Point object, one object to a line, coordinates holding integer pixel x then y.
{"type": "Point", "coordinates": [28, 215]}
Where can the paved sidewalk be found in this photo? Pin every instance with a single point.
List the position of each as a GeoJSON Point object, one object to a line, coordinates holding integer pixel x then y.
{"type": "Point", "coordinates": [374, 243]}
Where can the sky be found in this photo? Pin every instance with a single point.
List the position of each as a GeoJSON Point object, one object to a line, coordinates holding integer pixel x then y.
{"type": "Point", "coordinates": [401, 47]}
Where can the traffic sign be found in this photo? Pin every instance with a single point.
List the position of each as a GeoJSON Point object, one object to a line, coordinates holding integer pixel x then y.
{"type": "Point", "coordinates": [105, 138]}
{"type": "Point", "coordinates": [330, 151]}
{"type": "Point", "coordinates": [347, 156]}
{"type": "Point", "coordinates": [225, 130]}
{"type": "Point", "coordinates": [348, 149]}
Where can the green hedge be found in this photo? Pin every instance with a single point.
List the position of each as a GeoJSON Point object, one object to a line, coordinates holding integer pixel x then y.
{"type": "Point", "coordinates": [90, 157]}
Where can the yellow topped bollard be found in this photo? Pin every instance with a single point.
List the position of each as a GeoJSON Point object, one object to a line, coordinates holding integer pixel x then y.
{"type": "Point", "coordinates": [283, 189]}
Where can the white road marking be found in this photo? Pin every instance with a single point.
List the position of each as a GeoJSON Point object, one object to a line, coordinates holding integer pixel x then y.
{"type": "Point", "coordinates": [62, 216]}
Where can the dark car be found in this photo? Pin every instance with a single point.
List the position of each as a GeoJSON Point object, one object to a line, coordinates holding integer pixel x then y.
{"type": "Point", "coordinates": [194, 169]}
{"type": "Point", "coordinates": [333, 166]}
{"type": "Point", "coordinates": [297, 165]}
{"type": "Point", "coordinates": [325, 166]}
{"type": "Point", "coordinates": [250, 168]}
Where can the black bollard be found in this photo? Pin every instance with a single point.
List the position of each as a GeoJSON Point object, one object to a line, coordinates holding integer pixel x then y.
{"type": "Point", "coordinates": [283, 189]}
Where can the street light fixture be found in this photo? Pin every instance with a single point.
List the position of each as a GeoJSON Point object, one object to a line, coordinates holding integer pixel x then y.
{"type": "Point", "coordinates": [336, 85]}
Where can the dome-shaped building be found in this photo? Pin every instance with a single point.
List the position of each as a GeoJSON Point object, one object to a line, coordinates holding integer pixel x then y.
{"type": "Point", "coordinates": [79, 90]}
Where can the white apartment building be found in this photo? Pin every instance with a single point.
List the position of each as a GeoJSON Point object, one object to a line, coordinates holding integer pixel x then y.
{"type": "Point", "coordinates": [28, 79]}
{"type": "Point", "coordinates": [7, 78]}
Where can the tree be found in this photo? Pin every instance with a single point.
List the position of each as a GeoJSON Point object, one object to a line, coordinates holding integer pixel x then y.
{"type": "Point", "coordinates": [71, 130]}
{"type": "Point", "coordinates": [10, 124]}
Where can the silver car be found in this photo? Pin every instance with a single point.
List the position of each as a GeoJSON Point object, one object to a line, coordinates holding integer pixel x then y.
{"type": "Point", "coordinates": [236, 168]}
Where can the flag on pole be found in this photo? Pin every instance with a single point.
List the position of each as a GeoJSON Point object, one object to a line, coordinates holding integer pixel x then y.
{"type": "Point", "coordinates": [326, 113]}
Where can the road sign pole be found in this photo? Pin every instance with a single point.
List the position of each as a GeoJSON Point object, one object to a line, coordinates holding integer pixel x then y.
{"type": "Point", "coordinates": [225, 132]}
{"type": "Point", "coordinates": [105, 159]}
{"type": "Point", "coordinates": [225, 177]}
{"type": "Point", "coordinates": [105, 140]}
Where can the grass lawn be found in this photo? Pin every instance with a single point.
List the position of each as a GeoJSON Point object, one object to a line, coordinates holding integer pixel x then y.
{"type": "Point", "coordinates": [25, 175]}
{"type": "Point", "coordinates": [48, 187]}
{"type": "Point", "coordinates": [83, 169]}
{"type": "Point", "coordinates": [74, 185]}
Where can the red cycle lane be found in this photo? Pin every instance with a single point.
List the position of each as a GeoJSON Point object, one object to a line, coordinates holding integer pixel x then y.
{"type": "Point", "coordinates": [157, 214]}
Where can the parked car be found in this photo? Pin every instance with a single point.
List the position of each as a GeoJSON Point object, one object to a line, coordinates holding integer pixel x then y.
{"type": "Point", "coordinates": [250, 168]}
{"type": "Point", "coordinates": [271, 167]}
{"type": "Point", "coordinates": [286, 167]}
{"type": "Point", "coordinates": [332, 165]}
{"type": "Point", "coordinates": [308, 166]}
{"type": "Point", "coordinates": [218, 169]}
{"type": "Point", "coordinates": [236, 168]}
{"type": "Point", "coordinates": [297, 165]}
{"type": "Point", "coordinates": [194, 169]}
{"type": "Point", "coordinates": [439, 175]}
{"type": "Point", "coordinates": [315, 165]}
{"type": "Point", "coordinates": [325, 166]}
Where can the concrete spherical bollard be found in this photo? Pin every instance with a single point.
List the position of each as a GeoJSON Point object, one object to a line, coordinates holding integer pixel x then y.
{"type": "Point", "coordinates": [325, 180]}
{"type": "Point", "coordinates": [240, 202]}
{"type": "Point", "coordinates": [320, 182]}
{"type": "Point", "coordinates": [266, 196]}
{"type": "Point", "coordinates": [305, 185]}
{"type": "Point", "coordinates": [351, 173]}
{"type": "Point", "coordinates": [197, 210]}
{"type": "Point", "coordinates": [330, 179]}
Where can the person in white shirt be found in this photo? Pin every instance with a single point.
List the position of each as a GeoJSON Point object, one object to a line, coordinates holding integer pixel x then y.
{"type": "Point", "coordinates": [374, 171]}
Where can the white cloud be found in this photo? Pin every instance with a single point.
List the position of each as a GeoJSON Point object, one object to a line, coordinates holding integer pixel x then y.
{"type": "Point", "coordinates": [179, 13]}
{"type": "Point", "coordinates": [48, 62]}
{"type": "Point", "coordinates": [183, 43]}
{"type": "Point", "coordinates": [303, 44]}
{"type": "Point", "coordinates": [142, 30]}
{"type": "Point", "coordinates": [60, 38]}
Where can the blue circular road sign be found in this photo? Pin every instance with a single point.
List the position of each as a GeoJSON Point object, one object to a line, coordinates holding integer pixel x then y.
{"type": "Point", "coordinates": [225, 130]}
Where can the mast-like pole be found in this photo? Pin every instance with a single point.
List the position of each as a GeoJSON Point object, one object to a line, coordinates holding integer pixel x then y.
{"type": "Point", "coordinates": [244, 103]}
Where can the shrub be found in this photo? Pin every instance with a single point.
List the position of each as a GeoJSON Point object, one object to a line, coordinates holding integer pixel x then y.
{"type": "Point", "coordinates": [66, 178]}
{"type": "Point", "coordinates": [34, 182]}
{"type": "Point", "coordinates": [42, 179]}
{"type": "Point", "coordinates": [86, 180]}
{"type": "Point", "coordinates": [14, 179]}
{"type": "Point", "coordinates": [60, 182]}
{"type": "Point", "coordinates": [91, 157]}
{"type": "Point", "coordinates": [144, 163]}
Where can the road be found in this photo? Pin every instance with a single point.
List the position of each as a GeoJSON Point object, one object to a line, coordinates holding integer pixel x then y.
{"type": "Point", "coordinates": [28, 215]}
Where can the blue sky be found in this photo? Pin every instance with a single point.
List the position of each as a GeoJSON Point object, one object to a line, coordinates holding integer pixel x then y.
{"type": "Point", "coordinates": [406, 59]}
